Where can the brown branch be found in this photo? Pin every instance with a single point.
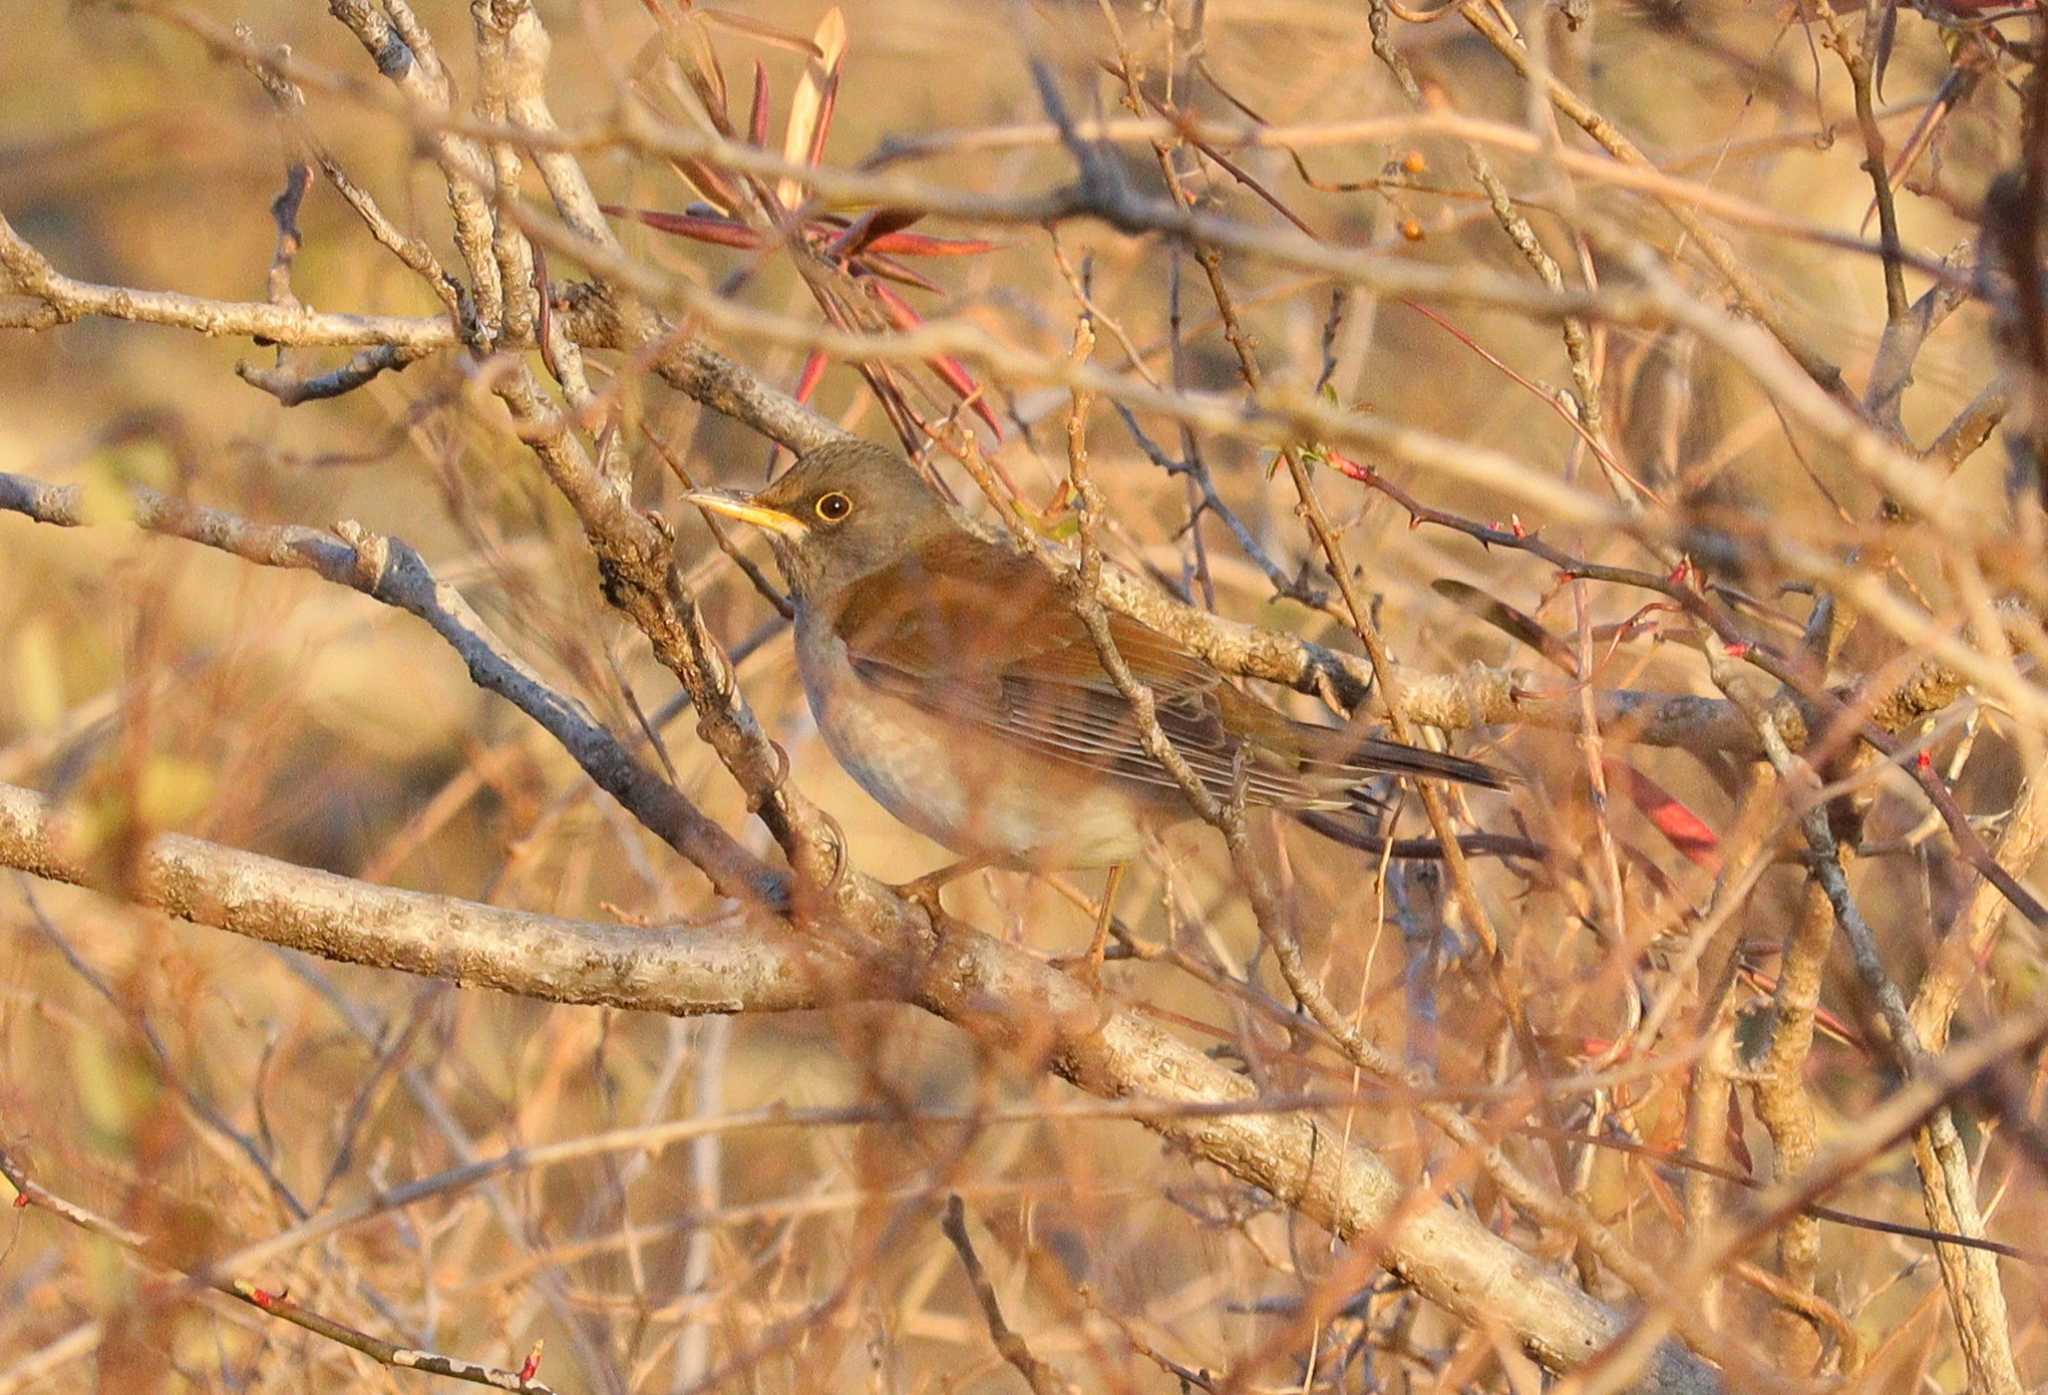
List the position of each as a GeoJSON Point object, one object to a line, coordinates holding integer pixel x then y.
{"type": "Point", "coordinates": [731, 969]}
{"type": "Point", "coordinates": [29, 1192]}
{"type": "Point", "coordinates": [1039, 1375]}
{"type": "Point", "coordinates": [1861, 61]}
{"type": "Point", "coordinates": [64, 300]}
{"type": "Point", "coordinates": [388, 570]}
{"type": "Point", "coordinates": [294, 387]}
{"type": "Point", "coordinates": [1754, 297]}
{"type": "Point", "coordinates": [1944, 1077]}
{"type": "Point", "coordinates": [1972, 426]}
{"type": "Point", "coordinates": [1515, 224]}
{"type": "Point", "coordinates": [1970, 1276]}
{"type": "Point", "coordinates": [1904, 337]}
{"type": "Point", "coordinates": [413, 252]}
{"type": "Point", "coordinates": [402, 54]}
{"type": "Point", "coordinates": [996, 991]}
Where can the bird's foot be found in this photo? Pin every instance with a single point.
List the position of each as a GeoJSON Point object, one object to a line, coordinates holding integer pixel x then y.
{"type": "Point", "coordinates": [925, 889]}
{"type": "Point", "coordinates": [1089, 970]}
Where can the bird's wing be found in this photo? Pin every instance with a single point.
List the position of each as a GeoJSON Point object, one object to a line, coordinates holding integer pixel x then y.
{"type": "Point", "coordinates": [970, 631]}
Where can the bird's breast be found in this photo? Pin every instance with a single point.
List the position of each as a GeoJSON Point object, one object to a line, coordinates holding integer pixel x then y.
{"type": "Point", "coordinates": [958, 783]}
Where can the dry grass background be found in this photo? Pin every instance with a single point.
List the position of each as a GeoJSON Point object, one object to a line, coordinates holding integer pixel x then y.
{"type": "Point", "coordinates": [181, 1079]}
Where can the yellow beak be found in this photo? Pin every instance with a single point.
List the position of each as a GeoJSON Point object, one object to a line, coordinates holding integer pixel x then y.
{"type": "Point", "coordinates": [739, 506]}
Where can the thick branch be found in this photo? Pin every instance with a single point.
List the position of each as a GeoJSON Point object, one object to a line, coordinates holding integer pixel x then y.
{"type": "Point", "coordinates": [736, 968]}
{"type": "Point", "coordinates": [64, 299]}
{"type": "Point", "coordinates": [992, 989]}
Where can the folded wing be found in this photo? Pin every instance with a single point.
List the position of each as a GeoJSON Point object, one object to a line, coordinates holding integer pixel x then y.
{"type": "Point", "coordinates": [1028, 670]}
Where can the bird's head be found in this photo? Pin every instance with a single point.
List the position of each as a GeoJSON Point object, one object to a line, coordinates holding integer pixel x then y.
{"type": "Point", "coordinates": [845, 511]}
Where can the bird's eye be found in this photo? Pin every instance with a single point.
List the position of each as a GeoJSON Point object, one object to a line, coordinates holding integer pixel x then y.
{"type": "Point", "coordinates": [834, 506]}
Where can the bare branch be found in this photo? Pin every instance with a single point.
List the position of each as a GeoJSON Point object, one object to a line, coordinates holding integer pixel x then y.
{"type": "Point", "coordinates": [1042, 1378]}
{"type": "Point", "coordinates": [388, 570]}
{"type": "Point", "coordinates": [994, 990]}
{"type": "Point", "coordinates": [65, 300]}
{"type": "Point", "coordinates": [29, 1192]}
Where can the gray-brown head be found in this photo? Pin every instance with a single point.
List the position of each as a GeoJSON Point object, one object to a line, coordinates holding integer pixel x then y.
{"type": "Point", "coordinates": [842, 512]}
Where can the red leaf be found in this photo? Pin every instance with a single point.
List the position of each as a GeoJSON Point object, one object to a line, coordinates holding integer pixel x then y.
{"type": "Point", "coordinates": [725, 232]}
{"type": "Point", "coordinates": [875, 264]}
{"type": "Point", "coordinates": [876, 222]}
{"type": "Point", "coordinates": [807, 381]}
{"type": "Point", "coordinates": [962, 382]}
{"type": "Point", "coordinates": [902, 315]}
{"type": "Point", "coordinates": [907, 244]}
{"type": "Point", "coordinates": [757, 120]}
{"type": "Point", "coordinates": [1685, 830]}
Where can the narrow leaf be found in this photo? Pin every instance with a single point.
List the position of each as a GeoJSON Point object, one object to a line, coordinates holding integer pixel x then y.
{"type": "Point", "coordinates": [807, 107]}
{"type": "Point", "coordinates": [814, 371]}
{"type": "Point", "coordinates": [1507, 619]}
{"type": "Point", "coordinates": [710, 182]}
{"type": "Point", "coordinates": [703, 227]}
{"type": "Point", "coordinates": [905, 244]}
{"type": "Point", "coordinates": [760, 29]}
{"type": "Point", "coordinates": [1681, 827]}
{"type": "Point", "coordinates": [872, 224]}
{"type": "Point", "coordinates": [903, 316]}
{"type": "Point", "coordinates": [690, 47]}
{"type": "Point", "coordinates": [828, 105]}
{"type": "Point", "coordinates": [876, 265]}
{"type": "Point", "coordinates": [757, 120]}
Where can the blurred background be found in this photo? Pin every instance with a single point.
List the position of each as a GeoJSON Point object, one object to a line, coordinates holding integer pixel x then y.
{"type": "Point", "coordinates": [202, 1087]}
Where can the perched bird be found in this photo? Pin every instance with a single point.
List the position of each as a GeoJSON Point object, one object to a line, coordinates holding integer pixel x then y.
{"type": "Point", "coordinates": [955, 683]}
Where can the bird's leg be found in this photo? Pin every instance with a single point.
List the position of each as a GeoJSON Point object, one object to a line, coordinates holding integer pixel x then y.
{"type": "Point", "coordinates": [925, 889]}
{"type": "Point", "coordinates": [1105, 915]}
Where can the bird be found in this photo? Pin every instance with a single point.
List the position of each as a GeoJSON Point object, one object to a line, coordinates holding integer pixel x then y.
{"type": "Point", "coordinates": [953, 679]}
